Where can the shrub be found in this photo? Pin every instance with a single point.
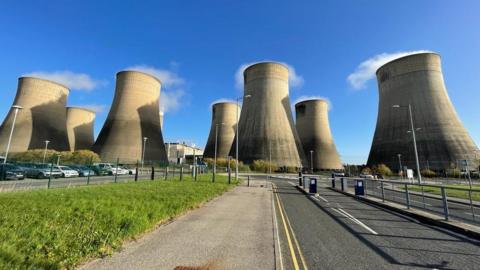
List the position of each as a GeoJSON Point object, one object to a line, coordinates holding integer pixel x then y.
{"type": "Point", "coordinates": [366, 170]}
{"type": "Point", "coordinates": [51, 156]}
{"type": "Point", "coordinates": [383, 169]}
{"type": "Point", "coordinates": [263, 166]}
{"type": "Point", "coordinates": [427, 173]}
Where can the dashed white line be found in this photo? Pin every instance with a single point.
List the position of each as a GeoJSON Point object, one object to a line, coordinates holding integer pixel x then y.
{"type": "Point", "coordinates": [325, 200]}
{"type": "Point", "coordinates": [352, 218]}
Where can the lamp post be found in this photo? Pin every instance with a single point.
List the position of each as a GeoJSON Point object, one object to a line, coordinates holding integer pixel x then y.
{"type": "Point", "coordinates": [236, 135]}
{"type": "Point", "coordinates": [414, 139]}
{"type": "Point", "coordinates": [400, 164]}
{"type": "Point", "coordinates": [45, 151]}
{"type": "Point", "coordinates": [215, 156]}
{"type": "Point", "coordinates": [16, 108]}
{"type": "Point", "coordinates": [311, 161]}
{"type": "Point", "coordinates": [143, 150]}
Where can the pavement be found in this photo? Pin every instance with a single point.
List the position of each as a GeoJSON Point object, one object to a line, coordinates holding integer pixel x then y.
{"type": "Point", "coordinates": [334, 231]}
{"type": "Point", "coordinates": [233, 231]}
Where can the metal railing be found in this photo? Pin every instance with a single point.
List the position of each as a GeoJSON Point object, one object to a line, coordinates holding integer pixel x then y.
{"type": "Point", "coordinates": [453, 203]}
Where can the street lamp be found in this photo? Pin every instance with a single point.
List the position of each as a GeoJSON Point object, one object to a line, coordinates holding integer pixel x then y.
{"type": "Point", "coordinates": [215, 159]}
{"type": "Point", "coordinates": [311, 160]}
{"type": "Point", "coordinates": [143, 151]}
{"type": "Point", "coordinates": [400, 164]}
{"type": "Point", "coordinates": [45, 151]}
{"type": "Point", "coordinates": [236, 137]}
{"type": "Point", "coordinates": [414, 139]}
{"type": "Point", "coordinates": [16, 108]}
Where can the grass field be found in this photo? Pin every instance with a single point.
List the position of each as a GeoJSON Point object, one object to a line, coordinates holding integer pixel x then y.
{"type": "Point", "coordinates": [451, 192]}
{"type": "Point", "coordinates": [58, 228]}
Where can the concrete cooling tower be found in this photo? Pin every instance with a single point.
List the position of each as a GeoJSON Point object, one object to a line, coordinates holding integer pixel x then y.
{"type": "Point", "coordinates": [134, 115]}
{"type": "Point", "coordinates": [80, 128]}
{"type": "Point", "coordinates": [266, 124]}
{"type": "Point", "coordinates": [314, 131]}
{"type": "Point", "coordinates": [42, 118]}
{"type": "Point", "coordinates": [224, 120]}
{"type": "Point", "coordinates": [441, 138]}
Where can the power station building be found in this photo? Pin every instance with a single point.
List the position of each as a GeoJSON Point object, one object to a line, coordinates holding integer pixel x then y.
{"type": "Point", "coordinates": [80, 128]}
{"type": "Point", "coordinates": [134, 115]}
{"type": "Point", "coordinates": [442, 140]}
{"type": "Point", "coordinates": [42, 118]}
{"type": "Point", "coordinates": [223, 128]}
{"type": "Point", "coordinates": [266, 128]}
{"type": "Point", "coordinates": [314, 131]}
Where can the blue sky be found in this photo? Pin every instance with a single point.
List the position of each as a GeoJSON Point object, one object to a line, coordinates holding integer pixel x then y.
{"type": "Point", "coordinates": [198, 46]}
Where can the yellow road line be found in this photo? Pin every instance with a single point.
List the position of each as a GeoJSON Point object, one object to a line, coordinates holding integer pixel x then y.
{"type": "Point", "coordinates": [296, 242]}
{"type": "Point", "coordinates": [292, 251]}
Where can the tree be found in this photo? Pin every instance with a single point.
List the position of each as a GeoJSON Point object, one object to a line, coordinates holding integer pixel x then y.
{"type": "Point", "coordinates": [383, 169]}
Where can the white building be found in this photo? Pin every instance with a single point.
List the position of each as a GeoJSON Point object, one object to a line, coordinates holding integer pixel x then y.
{"type": "Point", "coordinates": [178, 152]}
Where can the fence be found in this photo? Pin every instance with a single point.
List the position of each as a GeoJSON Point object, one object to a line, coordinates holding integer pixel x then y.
{"type": "Point", "coordinates": [452, 203]}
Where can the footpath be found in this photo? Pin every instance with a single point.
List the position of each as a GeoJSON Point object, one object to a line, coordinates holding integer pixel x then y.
{"type": "Point", "coordinates": [233, 231]}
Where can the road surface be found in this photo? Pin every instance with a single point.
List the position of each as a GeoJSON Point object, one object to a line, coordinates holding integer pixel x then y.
{"type": "Point", "coordinates": [334, 231]}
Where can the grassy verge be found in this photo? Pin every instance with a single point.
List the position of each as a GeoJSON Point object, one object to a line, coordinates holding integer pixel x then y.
{"type": "Point", "coordinates": [54, 229]}
{"type": "Point", "coordinates": [451, 192]}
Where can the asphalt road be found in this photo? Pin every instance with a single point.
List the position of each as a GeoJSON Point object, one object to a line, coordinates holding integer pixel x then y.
{"type": "Point", "coordinates": [334, 231]}
{"type": "Point", "coordinates": [457, 211]}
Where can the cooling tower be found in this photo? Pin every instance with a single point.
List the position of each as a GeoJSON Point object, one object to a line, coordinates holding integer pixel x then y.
{"type": "Point", "coordinates": [314, 131]}
{"type": "Point", "coordinates": [80, 128]}
{"type": "Point", "coordinates": [266, 125]}
{"type": "Point", "coordinates": [224, 119]}
{"type": "Point", "coordinates": [43, 117]}
{"type": "Point", "coordinates": [134, 115]}
{"type": "Point", "coordinates": [441, 138]}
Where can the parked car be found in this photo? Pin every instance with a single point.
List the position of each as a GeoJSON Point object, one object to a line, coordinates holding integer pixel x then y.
{"type": "Point", "coordinates": [42, 171]}
{"type": "Point", "coordinates": [366, 176]}
{"type": "Point", "coordinates": [12, 172]}
{"type": "Point", "coordinates": [67, 171]}
{"type": "Point", "coordinates": [83, 170]}
{"type": "Point", "coordinates": [112, 169]}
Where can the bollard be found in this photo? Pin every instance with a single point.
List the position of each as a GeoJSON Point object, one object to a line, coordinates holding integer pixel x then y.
{"type": "Point", "coordinates": [333, 182]}
{"type": "Point", "coordinates": [181, 173]}
{"type": "Point", "coordinates": [445, 203]}
{"type": "Point", "coordinates": [342, 184]}
{"type": "Point", "coordinates": [229, 176]}
{"type": "Point", "coordinates": [89, 170]}
{"type": "Point", "coordinates": [136, 172]}
{"type": "Point", "coordinates": [152, 176]}
{"type": "Point", "coordinates": [248, 180]}
{"type": "Point", "coordinates": [166, 173]}
{"type": "Point", "coordinates": [312, 188]}
{"type": "Point", "coordinates": [300, 178]}
{"type": "Point", "coordinates": [407, 196]}
{"type": "Point", "coordinates": [196, 172]}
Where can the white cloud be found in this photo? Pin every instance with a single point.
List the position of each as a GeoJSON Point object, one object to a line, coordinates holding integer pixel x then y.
{"type": "Point", "coordinates": [303, 98]}
{"type": "Point", "coordinates": [172, 95]}
{"type": "Point", "coordinates": [75, 81]}
{"type": "Point", "coordinates": [366, 70]}
{"type": "Point", "coordinates": [294, 80]}
{"type": "Point", "coordinates": [98, 108]}
{"type": "Point", "coordinates": [167, 77]}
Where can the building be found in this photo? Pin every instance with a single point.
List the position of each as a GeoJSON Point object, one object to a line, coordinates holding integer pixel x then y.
{"type": "Point", "coordinates": [179, 153]}
{"type": "Point", "coordinates": [222, 129]}
{"type": "Point", "coordinates": [42, 118]}
{"type": "Point", "coordinates": [442, 140]}
{"type": "Point", "coordinates": [266, 127]}
{"type": "Point", "coordinates": [314, 131]}
{"type": "Point", "coordinates": [80, 128]}
{"type": "Point", "coordinates": [133, 121]}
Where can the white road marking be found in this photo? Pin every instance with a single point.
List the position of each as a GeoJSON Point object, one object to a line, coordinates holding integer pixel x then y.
{"type": "Point", "coordinates": [325, 200]}
{"type": "Point", "coordinates": [291, 183]}
{"type": "Point", "coordinates": [352, 218]}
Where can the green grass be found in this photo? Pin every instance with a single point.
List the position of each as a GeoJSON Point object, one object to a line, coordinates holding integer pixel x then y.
{"type": "Point", "coordinates": [58, 228]}
{"type": "Point", "coordinates": [451, 192]}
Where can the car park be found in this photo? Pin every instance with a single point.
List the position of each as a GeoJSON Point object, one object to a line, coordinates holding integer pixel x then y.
{"type": "Point", "coordinates": [40, 171]}
{"type": "Point", "coordinates": [12, 172]}
{"type": "Point", "coordinates": [83, 170]}
{"type": "Point", "coordinates": [67, 171]}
